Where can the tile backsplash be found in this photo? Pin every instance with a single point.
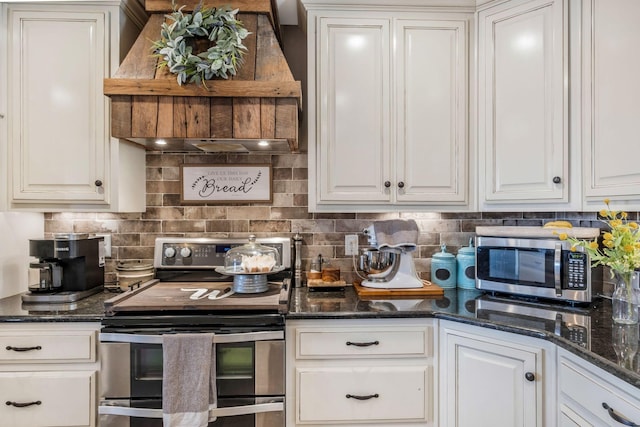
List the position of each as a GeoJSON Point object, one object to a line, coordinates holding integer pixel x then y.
{"type": "Point", "coordinates": [133, 234]}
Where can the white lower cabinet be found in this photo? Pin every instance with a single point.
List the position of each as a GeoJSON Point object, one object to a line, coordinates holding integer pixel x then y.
{"type": "Point", "coordinates": [48, 374]}
{"type": "Point", "coordinates": [590, 396]}
{"type": "Point", "coordinates": [366, 372]}
{"type": "Point", "coordinates": [494, 379]}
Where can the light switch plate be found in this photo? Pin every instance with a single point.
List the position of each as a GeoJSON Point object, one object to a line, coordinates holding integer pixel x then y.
{"type": "Point", "coordinates": [351, 244]}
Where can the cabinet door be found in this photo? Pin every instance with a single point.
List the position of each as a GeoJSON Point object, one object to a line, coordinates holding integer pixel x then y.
{"type": "Point", "coordinates": [485, 382]}
{"type": "Point", "coordinates": [3, 110]}
{"type": "Point", "coordinates": [52, 399]}
{"type": "Point", "coordinates": [569, 418]}
{"type": "Point", "coordinates": [431, 89]}
{"type": "Point", "coordinates": [363, 394]}
{"type": "Point", "coordinates": [522, 109]}
{"type": "Point", "coordinates": [352, 92]}
{"type": "Point", "coordinates": [58, 141]}
{"type": "Point", "coordinates": [611, 89]}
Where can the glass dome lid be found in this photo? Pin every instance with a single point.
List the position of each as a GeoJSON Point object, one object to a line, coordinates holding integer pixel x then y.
{"type": "Point", "coordinates": [251, 258]}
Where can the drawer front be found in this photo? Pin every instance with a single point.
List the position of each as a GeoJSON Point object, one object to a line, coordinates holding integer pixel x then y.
{"type": "Point", "coordinates": [590, 391]}
{"type": "Point", "coordinates": [66, 399]}
{"type": "Point", "coordinates": [52, 346]}
{"type": "Point", "coordinates": [371, 394]}
{"type": "Point", "coordinates": [363, 343]}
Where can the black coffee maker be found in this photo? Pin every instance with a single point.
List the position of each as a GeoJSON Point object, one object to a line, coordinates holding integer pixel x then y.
{"type": "Point", "coordinates": [70, 267]}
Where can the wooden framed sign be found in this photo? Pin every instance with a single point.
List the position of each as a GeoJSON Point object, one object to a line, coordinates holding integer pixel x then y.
{"type": "Point", "coordinates": [225, 183]}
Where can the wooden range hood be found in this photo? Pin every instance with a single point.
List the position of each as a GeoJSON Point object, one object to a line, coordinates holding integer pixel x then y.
{"type": "Point", "coordinates": [260, 103]}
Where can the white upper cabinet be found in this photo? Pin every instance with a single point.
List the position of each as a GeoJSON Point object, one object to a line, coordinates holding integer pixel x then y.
{"type": "Point", "coordinates": [3, 111]}
{"type": "Point", "coordinates": [523, 122]}
{"type": "Point", "coordinates": [59, 151]}
{"type": "Point", "coordinates": [388, 94]}
{"type": "Point", "coordinates": [354, 138]}
{"type": "Point", "coordinates": [431, 106]}
{"type": "Point", "coordinates": [610, 108]}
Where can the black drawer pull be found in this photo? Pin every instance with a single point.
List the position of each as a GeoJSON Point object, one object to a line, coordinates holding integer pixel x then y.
{"type": "Point", "coordinates": [371, 396]}
{"type": "Point", "coordinates": [22, 405]}
{"type": "Point", "coordinates": [619, 418]}
{"type": "Point", "coordinates": [24, 348]}
{"type": "Point", "coordinates": [363, 344]}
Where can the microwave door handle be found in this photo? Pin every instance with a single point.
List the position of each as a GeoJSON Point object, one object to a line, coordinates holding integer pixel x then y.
{"type": "Point", "coordinates": [218, 339]}
{"type": "Point", "coordinates": [557, 266]}
{"type": "Point", "coordinates": [128, 411]}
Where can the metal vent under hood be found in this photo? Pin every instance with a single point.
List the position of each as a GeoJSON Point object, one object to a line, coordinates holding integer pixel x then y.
{"type": "Point", "coordinates": [254, 111]}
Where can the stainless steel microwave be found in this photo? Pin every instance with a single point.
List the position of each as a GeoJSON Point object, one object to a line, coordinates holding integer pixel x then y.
{"type": "Point", "coordinates": [538, 267]}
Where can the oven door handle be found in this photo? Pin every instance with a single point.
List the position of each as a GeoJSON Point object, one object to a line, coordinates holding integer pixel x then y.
{"type": "Point", "coordinates": [217, 339]}
{"type": "Point", "coordinates": [127, 411]}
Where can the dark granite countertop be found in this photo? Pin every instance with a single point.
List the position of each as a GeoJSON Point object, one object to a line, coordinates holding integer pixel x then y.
{"type": "Point", "coordinates": [90, 309]}
{"type": "Point", "coordinates": [460, 305]}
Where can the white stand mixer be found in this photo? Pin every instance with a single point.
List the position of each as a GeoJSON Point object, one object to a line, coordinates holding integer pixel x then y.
{"type": "Point", "coordinates": [388, 267]}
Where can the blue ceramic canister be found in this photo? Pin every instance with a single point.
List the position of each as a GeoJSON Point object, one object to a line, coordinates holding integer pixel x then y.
{"type": "Point", "coordinates": [467, 266]}
{"type": "Point", "coordinates": [443, 269]}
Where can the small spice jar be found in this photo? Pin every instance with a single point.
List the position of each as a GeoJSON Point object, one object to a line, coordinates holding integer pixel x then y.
{"type": "Point", "coordinates": [315, 269]}
{"type": "Point", "coordinates": [443, 269]}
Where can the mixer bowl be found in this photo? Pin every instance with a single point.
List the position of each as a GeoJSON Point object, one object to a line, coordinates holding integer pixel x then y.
{"type": "Point", "coordinates": [374, 261]}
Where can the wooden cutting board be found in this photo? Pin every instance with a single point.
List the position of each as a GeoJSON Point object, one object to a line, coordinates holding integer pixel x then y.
{"type": "Point", "coordinates": [427, 290]}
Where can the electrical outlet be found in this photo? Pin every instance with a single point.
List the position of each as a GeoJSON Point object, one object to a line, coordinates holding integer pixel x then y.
{"type": "Point", "coordinates": [351, 244]}
{"type": "Point", "coordinates": [107, 244]}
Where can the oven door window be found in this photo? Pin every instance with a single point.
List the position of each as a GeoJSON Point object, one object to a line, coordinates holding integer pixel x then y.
{"type": "Point", "coordinates": [518, 266]}
{"type": "Point", "coordinates": [235, 369]}
{"type": "Point", "coordinates": [235, 372]}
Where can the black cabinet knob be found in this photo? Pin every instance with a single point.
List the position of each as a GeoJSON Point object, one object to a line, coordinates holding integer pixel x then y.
{"type": "Point", "coordinates": [98, 183]}
{"type": "Point", "coordinates": [529, 376]}
{"type": "Point", "coordinates": [556, 180]}
{"type": "Point", "coordinates": [387, 184]}
{"type": "Point", "coordinates": [401, 184]}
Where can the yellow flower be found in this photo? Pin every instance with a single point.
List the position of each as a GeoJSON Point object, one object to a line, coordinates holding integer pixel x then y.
{"type": "Point", "coordinates": [620, 249]}
{"type": "Point", "coordinates": [573, 249]}
{"type": "Point", "coordinates": [562, 236]}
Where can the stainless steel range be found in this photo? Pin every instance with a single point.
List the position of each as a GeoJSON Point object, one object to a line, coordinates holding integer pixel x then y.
{"type": "Point", "coordinates": [191, 294]}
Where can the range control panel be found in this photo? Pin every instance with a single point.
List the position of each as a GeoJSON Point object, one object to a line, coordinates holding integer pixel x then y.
{"type": "Point", "coordinates": [186, 253]}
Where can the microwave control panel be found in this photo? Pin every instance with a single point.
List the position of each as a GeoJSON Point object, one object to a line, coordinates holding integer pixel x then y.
{"type": "Point", "coordinates": [575, 270]}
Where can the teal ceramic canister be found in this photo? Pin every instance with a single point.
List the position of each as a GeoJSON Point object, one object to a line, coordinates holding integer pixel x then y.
{"type": "Point", "coordinates": [467, 266]}
{"type": "Point", "coordinates": [443, 269]}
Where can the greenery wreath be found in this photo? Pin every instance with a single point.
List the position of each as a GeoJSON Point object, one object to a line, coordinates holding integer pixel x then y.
{"type": "Point", "coordinates": [219, 25]}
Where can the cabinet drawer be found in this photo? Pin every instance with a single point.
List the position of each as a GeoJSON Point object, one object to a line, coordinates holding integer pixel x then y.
{"type": "Point", "coordinates": [49, 346]}
{"type": "Point", "coordinates": [66, 398]}
{"type": "Point", "coordinates": [323, 394]}
{"type": "Point", "coordinates": [590, 391]}
{"type": "Point", "coordinates": [410, 342]}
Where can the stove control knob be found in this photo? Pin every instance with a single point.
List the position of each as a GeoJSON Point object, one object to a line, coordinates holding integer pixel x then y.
{"type": "Point", "coordinates": [169, 252]}
{"type": "Point", "coordinates": [185, 252]}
